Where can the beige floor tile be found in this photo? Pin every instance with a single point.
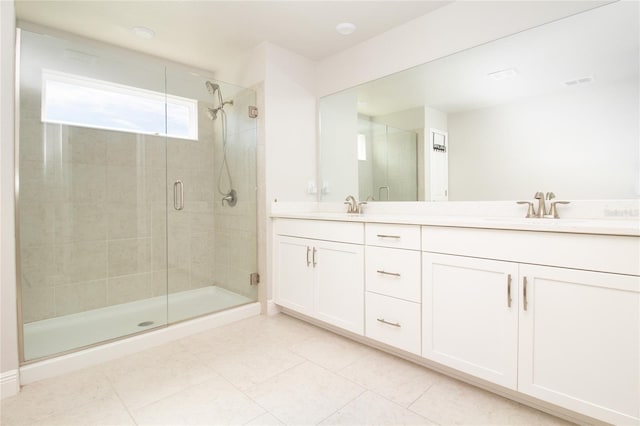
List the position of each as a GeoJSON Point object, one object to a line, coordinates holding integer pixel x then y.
{"type": "Point", "coordinates": [267, 419]}
{"type": "Point", "coordinates": [305, 394]}
{"type": "Point", "coordinates": [148, 376]}
{"type": "Point", "coordinates": [55, 396]}
{"type": "Point", "coordinates": [395, 379]}
{"type": "Point", "coordinates": [105, 412]}
{"type": "Point", "coordinates": [453, 402]}
{"type": "Point", "coordinates": [214, 402]}
{"type": "Point", "coordinates": [251, 366]}
{"type": "Point", "coordinates": [372, 409]}
{"type": "Point", "coordinates": [331, 351]}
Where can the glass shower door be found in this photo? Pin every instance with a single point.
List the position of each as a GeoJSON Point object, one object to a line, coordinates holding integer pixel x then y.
{"type": "Point", "coordinates": [91, 198]}
{"type": "Point", "coordinates": [211, 199]}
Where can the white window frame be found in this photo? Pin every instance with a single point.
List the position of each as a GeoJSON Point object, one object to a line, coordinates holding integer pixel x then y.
{"type": "Point", "coordinates": [90, 83]}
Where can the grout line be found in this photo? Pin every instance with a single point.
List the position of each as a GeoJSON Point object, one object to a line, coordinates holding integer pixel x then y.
{"type": "Point", "coordinates": [364, 390]}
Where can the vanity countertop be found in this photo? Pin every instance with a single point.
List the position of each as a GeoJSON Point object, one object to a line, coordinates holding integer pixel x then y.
{"type": "Point", "coordinates": [616, 226]}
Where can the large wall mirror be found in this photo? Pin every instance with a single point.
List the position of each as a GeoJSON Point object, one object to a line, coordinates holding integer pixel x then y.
{"type": "Point", "coordinates": [555, 108]}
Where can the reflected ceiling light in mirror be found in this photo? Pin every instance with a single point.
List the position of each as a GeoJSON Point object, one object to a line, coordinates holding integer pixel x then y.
{"type": "Point", "coordinates": [579, 81]}
{"type": "Point", "coordinates": [345, 28]}
{"type": "Point", "coordinates": [506, 74]}
{"type": "Point", "coordinates": [144, 32]}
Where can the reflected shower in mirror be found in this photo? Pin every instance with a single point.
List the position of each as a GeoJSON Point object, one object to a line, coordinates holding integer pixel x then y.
{"type": "Point", "coordinates": [555, 107]}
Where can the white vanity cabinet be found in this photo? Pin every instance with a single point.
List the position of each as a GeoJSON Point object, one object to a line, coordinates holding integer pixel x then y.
{"type": "Point", "coordinates": [470, 316]}
{"type": "Point", "coordinates": [392, 301]}
{"type": "Point", "coordinates": [579, 341]}
{"type": "Point", "coordinates": [319, 270]}
{"type": "Point", "coordinates": [563, 335]}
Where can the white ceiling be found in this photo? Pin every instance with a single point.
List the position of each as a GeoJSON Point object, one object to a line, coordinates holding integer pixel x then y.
{"type": "Point", "coordinates": [206, 33]}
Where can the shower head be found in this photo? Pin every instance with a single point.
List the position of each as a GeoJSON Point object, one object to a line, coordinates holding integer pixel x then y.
{"type": "Point", "coordinates": [212, 87]}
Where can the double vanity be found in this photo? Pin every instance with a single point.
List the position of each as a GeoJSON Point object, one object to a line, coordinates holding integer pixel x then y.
{"type": "Point", "coordinates": [544, 311]}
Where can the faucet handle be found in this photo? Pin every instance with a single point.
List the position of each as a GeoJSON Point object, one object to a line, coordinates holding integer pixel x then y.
{"type": "Point", "coordinates": [361, 206]}
{"type": "Point", "coordinates": [550, 196]}
{"type": "Point", "coordinates": [553, 211]}
{"type": "Point", "coordinates": [530, 211]}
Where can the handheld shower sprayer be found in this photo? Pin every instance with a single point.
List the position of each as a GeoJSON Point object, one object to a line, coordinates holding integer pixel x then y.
{"type": "Point", "coordinates": [212, 87]}
{"type": "Point", "coordinates": [230, 195]}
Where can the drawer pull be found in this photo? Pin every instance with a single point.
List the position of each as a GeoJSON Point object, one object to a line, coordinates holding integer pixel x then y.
{"type": "Point", "coordinates": [382, 320]}
{"type": "Point", "coordinates": [509, 290]}
{"type": "Point", "coordinates": [388, 236]}
{"type": "Point", "coordinates": [395, 274]}
{"type": "Point", "coordinates": [524, 293]}
{"type": "Point", "coordinates": [308, 251]}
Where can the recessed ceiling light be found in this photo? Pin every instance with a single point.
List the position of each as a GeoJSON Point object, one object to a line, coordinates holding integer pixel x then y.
{"type": "Point", "coordinates": [144, 32]}
{"type": "Point", "coordinates": [345, 28]}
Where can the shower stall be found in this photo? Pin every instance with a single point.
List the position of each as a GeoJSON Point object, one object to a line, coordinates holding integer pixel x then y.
{"type": "Point", "coordinates": [136, 194]}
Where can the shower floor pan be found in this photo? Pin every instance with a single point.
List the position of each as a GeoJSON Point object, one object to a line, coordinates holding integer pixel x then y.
{"type": "Point", "coordinates": [61, 334]}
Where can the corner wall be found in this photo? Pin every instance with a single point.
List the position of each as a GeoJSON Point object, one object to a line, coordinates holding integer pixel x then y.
{"type": "Point", "coordinates": [8, 334]}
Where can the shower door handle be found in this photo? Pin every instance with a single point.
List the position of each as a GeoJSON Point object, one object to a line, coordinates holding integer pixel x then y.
{"type": "Point", "coordinates": [178, 195]}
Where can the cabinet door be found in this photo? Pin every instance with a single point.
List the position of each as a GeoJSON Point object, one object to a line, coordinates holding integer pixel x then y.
{"type": "Point", "coordinates": [470, 316]}
{"type": "Point", "coordinates": [580, 341]}
{"type": "Point", "coordinates": [293, 287]}
{"type": "Point", "coordinates": [340, 285]}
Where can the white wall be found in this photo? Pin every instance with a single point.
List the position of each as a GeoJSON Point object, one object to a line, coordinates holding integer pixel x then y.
{"type": "Point", "coordinates": [580, 143]}
{"type": "Point", "coordinates": [338, 142]}
{"type": "Point", "coordinates": [290, 124]}
{"type": "Point", "coordinates": [9, 342]}
{"type": "Point", "coordinates": [457, 26]}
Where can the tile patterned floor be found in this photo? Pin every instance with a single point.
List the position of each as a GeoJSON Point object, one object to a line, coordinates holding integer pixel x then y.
{"type": "Point", "coordinates": [262, 371]}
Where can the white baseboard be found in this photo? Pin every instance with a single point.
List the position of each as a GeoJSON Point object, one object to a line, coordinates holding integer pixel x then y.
{"type": "Point", "coordinates": [85, 358]}
{"type": "Point", "coordinates": [10, 383]}
{"type": "Point", "coordinates": [272, 308]}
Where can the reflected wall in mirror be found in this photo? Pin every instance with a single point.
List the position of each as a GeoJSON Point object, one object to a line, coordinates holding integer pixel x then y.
{"type": "Point", "coordinates": [555, 108]}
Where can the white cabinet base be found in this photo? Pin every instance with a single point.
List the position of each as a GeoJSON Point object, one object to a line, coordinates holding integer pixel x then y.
{"type": "Point", "coordinates": [580, 342]}
{"type": "Point", "coordinates": [470, 316]}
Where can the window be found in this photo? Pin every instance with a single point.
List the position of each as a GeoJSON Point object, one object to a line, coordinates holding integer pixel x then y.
{"type": "Point", "coordinates": [362, 147]}
{"type": "Point", "coordinates": [81, 101]}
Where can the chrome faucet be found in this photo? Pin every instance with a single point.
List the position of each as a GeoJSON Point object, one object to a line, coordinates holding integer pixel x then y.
{"type": "Point", "coordinates": [352, 204]}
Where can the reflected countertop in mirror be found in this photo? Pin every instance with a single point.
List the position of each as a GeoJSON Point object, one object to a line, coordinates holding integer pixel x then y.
{"type": "Point", "coordinates": [555, 108]}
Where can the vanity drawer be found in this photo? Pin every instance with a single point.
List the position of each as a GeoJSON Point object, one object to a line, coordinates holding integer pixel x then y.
{"type": "Point", "coordinates": [393, 321]}
{"type": "Point", "coordinates": [393, 272]}
{"type": "Point", "coordinates": [392, 235]}
{"type": "Point", "coordinates": [344, 232]}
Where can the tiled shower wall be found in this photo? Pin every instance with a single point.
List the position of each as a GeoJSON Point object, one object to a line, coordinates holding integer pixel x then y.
{"type": "Point", "coordinates": [93, 223]}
